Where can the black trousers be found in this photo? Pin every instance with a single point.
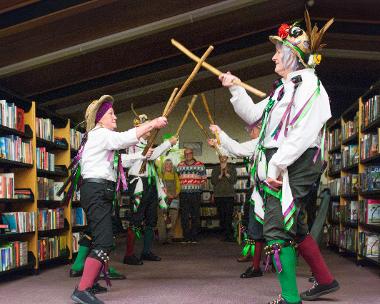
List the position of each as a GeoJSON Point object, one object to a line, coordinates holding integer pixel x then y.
{"type": "Point", "coordinates": [96, 200]}
{"type": "Point", "coordinates": [147, 210]}
{"type": "Point", "coordinates": [190, 204]}
{"type": "Point", "coordinates": [225, 207]}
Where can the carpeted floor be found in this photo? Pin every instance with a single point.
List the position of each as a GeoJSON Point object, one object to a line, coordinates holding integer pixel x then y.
{"type": "Point", "coordinates": [192, 273]}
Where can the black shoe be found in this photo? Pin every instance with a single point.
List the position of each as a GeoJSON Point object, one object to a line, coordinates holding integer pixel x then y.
{"type": "Point", "coordinates": [251, 273]}
{"type": "Point", "coordinates": [75, 274]}
{"type": "Point", "coordinates": [319, 290]}
{"type": "Point", "coordinates": [97, 288]}
{"type": "Point", "coordinates": [281, 300]}
{"type": "Point", "coordinates": [312, 279]}
{"type": "Point", "coordinates": [150, 257]}
{"type": "Point", "coordinates": [132, 260]}
{"type": "Point", "coordinates": [85, 297]}
{"type": "Point", "coordinates": [113, 276]}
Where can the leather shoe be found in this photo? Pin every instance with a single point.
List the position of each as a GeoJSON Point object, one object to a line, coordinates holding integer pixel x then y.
{"type": "Point", "coordinates": [251, 273]}
{"type": "Point", "coordinates": [132, 260]}
{"type": "Point", "coordinates": [97, 288]}
{"type": "Point", "coordinates": [244, 259]}
{"type": "Point", "coordinates": [150, 257]}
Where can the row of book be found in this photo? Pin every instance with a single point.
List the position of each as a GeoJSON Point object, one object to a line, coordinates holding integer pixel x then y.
{"type": "Point", "coordinates": [370, 145]}
{"type": "Point", "coordinates": [348, 239]}
{"type": "Point", "coordinates": [241, 184]}
{"type": "Point", "coordinates": [78, 217]}
{"type": "Point", "coordinates": [371, 110]}
{"type": "Point", "coordinates": [369, 211]}
{"type": "Point", "coordinates": [334, 186]}
{"type": "Point", "coordinates": [51, 247]}
{"type": "Point", "coordinates": [350, 155]}
{"type": "Point", "coordinates": [210, 223]}
{"type": "Point", "coordinates": [369, 245]}
{"type": "Point", "coordinates": [14, 148]}
{"type": "Point", "coordinates": [350, 184]}
{"type": "Point", "coordinates": [13, 255]}
{"type": "Point", "coordinates": [45, 160]}
{"type": "Point", "coordinates": [241, 171]}
{"type": "Point", "coordinates": [48, 189]}
{"type": "Point", "coordinates": [350, 127]}
{"type": "Point", "coordinates": [76, 238]}
{"type": "Point", "coordinates": [335, 212]}
{"type": "Point", "coordinates": [44, 128]}
{"type": "Point", "coordinates": [7, 188]}
{"type": "Point", "coordinates": [12, 116]}
{"type": "Point", "coordinates": [19, 222]}
{"type": "Point", "coordinates": [240, 197]}
{"type": "Point", "coordinates": [75, 139]}
{"type": "Point", "coordinates": [50, 219]}
{"type": "Point", "coordinates": [335, 162]}
{"type": "Point", "coordinates": [370, 179]}
{"type": "Point", "coordinates": [334, 139]}
{"type": "Point", "coordinates": [349, 212]}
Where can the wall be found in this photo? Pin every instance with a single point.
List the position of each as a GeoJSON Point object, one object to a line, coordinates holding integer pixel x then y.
{"type": "Point", "coordinates": [221, 110]}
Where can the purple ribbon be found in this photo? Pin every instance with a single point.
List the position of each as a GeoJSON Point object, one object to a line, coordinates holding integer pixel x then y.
{"type": "Point", "coordinates": [106, 276]}
{"type": "Point", "coordinates": [267, 263]}
{"type": "Point", "coordinates": [277, 259]}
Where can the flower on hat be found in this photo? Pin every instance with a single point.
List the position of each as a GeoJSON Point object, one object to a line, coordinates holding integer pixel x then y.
{"type": "Point", "coordinates": [283, 30]}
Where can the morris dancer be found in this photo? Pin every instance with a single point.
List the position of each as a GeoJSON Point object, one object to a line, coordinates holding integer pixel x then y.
{"type": "Point", "coordinates": [146, 190]}
{"type": "Point", "coordinates": [293, 119]}
{"type": "Point", "coordinates": [98, 163]}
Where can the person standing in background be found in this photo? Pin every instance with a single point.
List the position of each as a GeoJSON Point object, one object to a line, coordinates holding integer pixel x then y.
{"type": "Point", "coordinates": [223, 179]}
{"type": "Point", "coordinates": [170, 179]}
{"type": "Point", "coordinates": [192, 176]}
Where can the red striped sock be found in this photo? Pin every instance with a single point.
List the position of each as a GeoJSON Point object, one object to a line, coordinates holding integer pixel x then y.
{"type": "Point", "coordinates": [130, 249]}
{"type": "Point", "coordinates": [257, 255]}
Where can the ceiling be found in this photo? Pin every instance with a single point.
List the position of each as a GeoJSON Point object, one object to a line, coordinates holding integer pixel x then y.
{"type": "Point", "coordinates": [62, 54]}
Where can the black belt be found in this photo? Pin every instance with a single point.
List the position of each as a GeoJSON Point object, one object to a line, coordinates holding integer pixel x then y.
{"type": "Point", "coordinates": [99, 181]}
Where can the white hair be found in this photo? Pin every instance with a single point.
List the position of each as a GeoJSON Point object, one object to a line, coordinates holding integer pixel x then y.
{"type": "Point", "coordinates": [289, 60]}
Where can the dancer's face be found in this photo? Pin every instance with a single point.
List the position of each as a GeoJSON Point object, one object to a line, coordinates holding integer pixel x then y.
{"type": "Point", "coordinates": [109, 120]}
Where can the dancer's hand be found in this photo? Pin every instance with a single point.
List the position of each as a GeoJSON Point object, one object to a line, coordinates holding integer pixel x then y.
{"type": "Point", "coordinates": [227, 79]}
{"type": "Point", "coordinates": [214, 129]}
{"type": "Point", "coordinates": [160, 122]}
{"type": "Point", "coordinates": [212, 142]}
{"type": "Point", "coordinates": [275, 184]}
{"type": "Point", "coordinates": [173, 140]}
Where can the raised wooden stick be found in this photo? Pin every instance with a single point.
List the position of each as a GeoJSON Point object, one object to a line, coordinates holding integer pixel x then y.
{"type": "Point", "coordinates": [204, 100]}
{"type": "Point", "coordinates": [214, 70]}
{"type": "Point", "coordinates": [154, 133]}
{"type": "Point", "coordinates": [190, 78]}
{"type": "Point", "coordinates": [205, 133]}
{"type": "Point", "coordinates": [186, 114]}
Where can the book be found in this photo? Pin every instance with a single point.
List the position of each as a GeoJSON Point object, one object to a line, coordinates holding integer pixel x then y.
{"type": "Point", "coordinates": [20, 124]}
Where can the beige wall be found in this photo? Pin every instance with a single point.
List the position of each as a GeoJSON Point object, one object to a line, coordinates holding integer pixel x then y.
{"type": "Point", "coordinates": [220, 108]}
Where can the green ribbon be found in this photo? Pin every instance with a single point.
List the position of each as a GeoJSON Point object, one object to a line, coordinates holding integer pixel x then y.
{"type": "Point", "coordinates": [296, 48]}
{"type": "Point", "coordinates": [276, 194]}
{"type": "Point", "coordinates": [137, 232]}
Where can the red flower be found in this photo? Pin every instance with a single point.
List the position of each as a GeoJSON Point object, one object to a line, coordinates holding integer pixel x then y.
{"type": "Point", "coordinates": [283, 31]}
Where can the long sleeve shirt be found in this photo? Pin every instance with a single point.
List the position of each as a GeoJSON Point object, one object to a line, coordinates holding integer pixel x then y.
{"type": "Point", "coordinates": [172, 184]}
{"type": "Point", "coordinates": [134, 158]}
{"type": "Point", "coordinates": [236, 149]}
{"type": "Point", "coordinates": [192, 177]}
{"type": "Point", "coordinates": [96, 161]}
{"type": "Point", "coordinates": [224, 187]}
{"type": "Point", "coordinates": [303, 135]}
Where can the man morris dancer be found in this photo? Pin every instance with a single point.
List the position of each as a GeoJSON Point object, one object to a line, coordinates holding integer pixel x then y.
{"type": "Point", "coordinates": [293, 119]}
{"type": "Point", "coordinates": [254, 241]}
{"type": "Point", "coordinates": [146, 190]}
{"type": "Point", "coordinates": [99, 165]}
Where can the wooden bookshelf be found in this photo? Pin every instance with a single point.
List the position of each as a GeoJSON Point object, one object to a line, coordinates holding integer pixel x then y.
{"type": "Point", "coordinates": [343, 199]}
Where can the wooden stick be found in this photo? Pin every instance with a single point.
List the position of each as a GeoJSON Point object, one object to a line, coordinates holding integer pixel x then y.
{"type": "Point", "coordinates": [203, 130]}
{"type": "Point", "coordinates": [214, 70]}
{"type": "Point", "coordinates": [186, 114]}
{"type": "Point", "coordinates": [190, 78]}
{"type": "Point", "coordinates": [204, 100]}
{"type": "Point", "coordinates": [154, 133]}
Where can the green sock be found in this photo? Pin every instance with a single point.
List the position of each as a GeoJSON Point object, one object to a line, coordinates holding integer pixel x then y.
{"type": "Point", "coordinates": [148, 239]}
{"type": "Point", "coordinates": [80, 259]}
{"type": "Point", "coordinates": [287, 276]}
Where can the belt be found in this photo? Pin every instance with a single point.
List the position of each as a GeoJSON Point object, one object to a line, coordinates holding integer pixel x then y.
{"type": "Point", "coordinates": [100, 181]}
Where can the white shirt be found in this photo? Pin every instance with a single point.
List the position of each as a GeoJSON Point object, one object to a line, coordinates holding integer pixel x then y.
{"type": "Point", "coordinates": [300, 137]}
{"type": "Point", "coordinates": [95, 161]}
{"type": "Point", "coordinates": [236, 149]}
{"type": "Point", "coordinates": [134, 158]}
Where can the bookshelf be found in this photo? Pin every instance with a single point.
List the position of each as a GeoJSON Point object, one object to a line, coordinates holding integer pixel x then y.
{"type": "Point", "coordinates": [354, 179]}
{"type": "Point", "coordinates": [24, 212]}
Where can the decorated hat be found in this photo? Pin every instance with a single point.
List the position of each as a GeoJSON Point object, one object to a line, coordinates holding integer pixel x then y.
{"type": "Point", "coordinates": [96, 110]}
{"type": "Point", "coordinates": [139, 118]}
{"type": "Point", "coordinates": [306, 45]}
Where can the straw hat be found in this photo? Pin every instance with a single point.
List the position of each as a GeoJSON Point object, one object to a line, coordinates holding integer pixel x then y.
{"type": "Point", "coordinates": [93, 108]}
{"type": "Point", "coordinates": [306, 45]}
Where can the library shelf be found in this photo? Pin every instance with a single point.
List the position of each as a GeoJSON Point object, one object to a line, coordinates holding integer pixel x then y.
{"type": "Point", "coordinates": [28, 134]}
{"type": "Point", "coordinates": [14, 164]}
{"type": "Point", "coordinates": [50, 145]}
{"type": "Point", "coordinates": [374, 261]}
{"type": "Point", "coordinates": [17, 200]}
{"type": "Point", "coordinates": [351, 168]}
{"type": "Point", "coordinates": [79, 228]}
{"type": "Point", "coordinates": [353, 139]}
{"type": "Point", "coordinates": [54, 232]}
{"type": "Point", "coordinates": [372, 159]}
{"type": "Point", "coordinates": [370, 193]}
{"type": "Point", "coordinates": [28, 266]}
{"type": "Point", "coordinates": [372, 126]}
{"type": "Point", "coordinates": [211, 217]}
{"type": "Point", "coordinates": [350, 225]}
{"type": "Point", "coordinates": [335, 198]}
{"type": "Point", "coordinates": [349, 196]}
{"type": "Point", "coordinates": [334, 173]}
{"type": "Point", "coordinates": [62, 258]}
{"type": "Point", "coordinates": [51, 174]}
{"type": "Point", "coordinates": [14, 235]}
{"type": "Point", "coordinates": [370, 227]}
{"type": "Point", "coordinates": [334, 149]}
